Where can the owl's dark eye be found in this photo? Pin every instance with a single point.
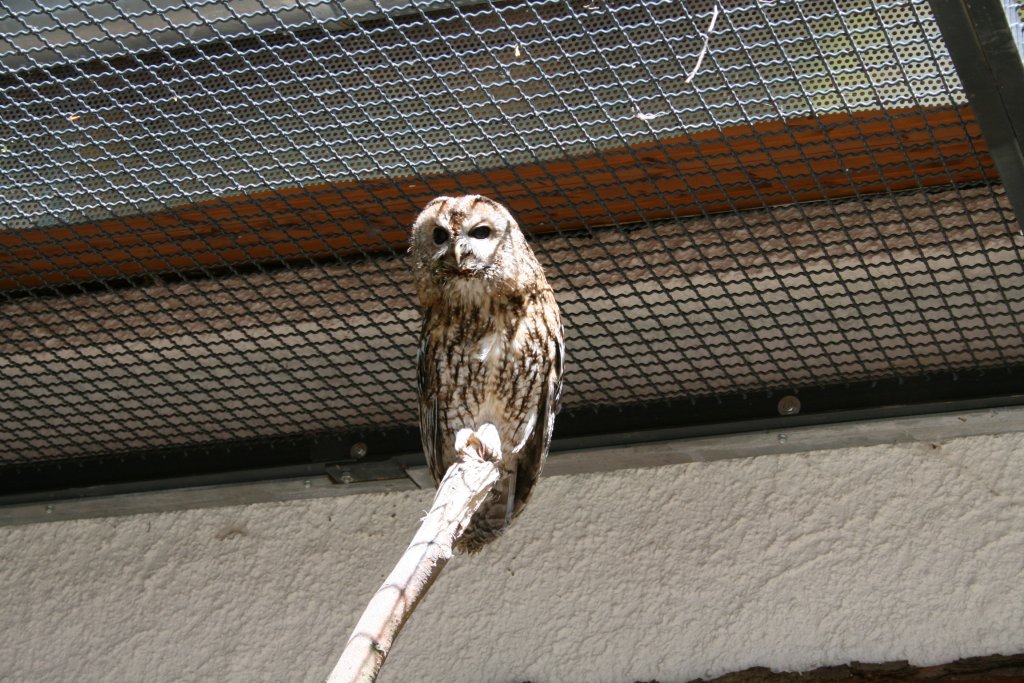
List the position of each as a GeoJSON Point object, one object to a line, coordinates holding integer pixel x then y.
{"type": "Point", "coordinates": [480, 232]}
{"type": "Point", "coordinates": [440, 235]}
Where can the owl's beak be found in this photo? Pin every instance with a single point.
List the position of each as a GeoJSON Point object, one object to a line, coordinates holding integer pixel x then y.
{"type": "Point", "coordinates": [458, 249]}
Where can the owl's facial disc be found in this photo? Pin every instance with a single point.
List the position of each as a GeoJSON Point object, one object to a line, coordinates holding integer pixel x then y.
{"type": "Point", "coordinates": [465, 251]}
{"type": "Point", "coordinates": [473, 249]}
{"type": "Point", "coordinates": [465, 237]}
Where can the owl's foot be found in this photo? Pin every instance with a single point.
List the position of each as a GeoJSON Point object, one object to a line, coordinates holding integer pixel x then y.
{"type": "Point", "coordinates": [482, 444]}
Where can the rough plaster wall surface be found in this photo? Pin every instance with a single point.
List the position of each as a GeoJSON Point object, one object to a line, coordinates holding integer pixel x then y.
{"type": "Point", "coordinates": [912, 551]}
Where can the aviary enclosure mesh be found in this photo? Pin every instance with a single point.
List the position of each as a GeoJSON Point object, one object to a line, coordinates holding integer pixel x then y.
{"type": "Point", "coordinates": [204, 204]}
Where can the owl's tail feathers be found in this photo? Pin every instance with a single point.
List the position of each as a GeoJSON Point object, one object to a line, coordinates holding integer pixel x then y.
{"type": "Point", "coordinates": [490, 520]}
{"type": "Point", "coordinates": [511, 498]}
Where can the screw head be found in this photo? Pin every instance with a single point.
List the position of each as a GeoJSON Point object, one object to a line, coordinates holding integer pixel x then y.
{"type": "Point", "coordinates": [783, 438]}
{"type": "Point", "coordinates": [346, 477]}
{"type": "Point", "coordinates": [358, 450]}
{"type": "Point", "coordinates": [789, 405]}
{"type": "Point", "coordinates": [307, 484]}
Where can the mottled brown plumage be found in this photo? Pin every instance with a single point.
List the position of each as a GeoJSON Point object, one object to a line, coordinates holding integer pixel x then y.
{"type": "Point", "coordinates": [490, 348]}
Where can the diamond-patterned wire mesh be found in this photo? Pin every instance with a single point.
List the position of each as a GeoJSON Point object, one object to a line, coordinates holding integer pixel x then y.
{"type": "Point", "coordinates": [806, 202]}
{"type": "Point", "coordinates": [418, 94]}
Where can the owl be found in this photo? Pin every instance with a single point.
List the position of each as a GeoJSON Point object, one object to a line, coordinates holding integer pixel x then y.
{"type": "Point", "coordinates": [490, 348]}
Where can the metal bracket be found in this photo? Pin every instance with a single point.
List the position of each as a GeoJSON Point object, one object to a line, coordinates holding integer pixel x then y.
{"type": "Point", "coordinates": [351, 471]}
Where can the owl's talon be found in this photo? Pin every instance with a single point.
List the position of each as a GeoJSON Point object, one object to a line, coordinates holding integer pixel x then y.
{"type": "Point", "coordinates": [484, 444]}
{"type": "Point", "coordinates": [490, 440]}
{"type": "Point", "coordinates": [462, 439]}
{"type": "Point", "coordinates": [468, 445]}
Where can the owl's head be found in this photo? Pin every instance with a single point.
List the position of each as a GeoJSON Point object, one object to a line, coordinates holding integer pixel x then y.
{"type": "Point", "coordinates": [470, 238]}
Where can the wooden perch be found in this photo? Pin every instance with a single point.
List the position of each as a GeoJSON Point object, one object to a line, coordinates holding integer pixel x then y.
{"type": "Point", "coordinates": [462, 491]}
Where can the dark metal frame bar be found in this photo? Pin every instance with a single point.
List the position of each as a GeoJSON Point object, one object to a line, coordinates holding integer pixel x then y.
{"type": "Point", "coordinates": [978, 36]}
{"type": "Point", "coordinates": [380, 455]}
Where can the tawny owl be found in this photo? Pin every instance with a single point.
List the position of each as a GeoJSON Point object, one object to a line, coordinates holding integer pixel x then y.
{"type": "Point", "coordinates": [490, 349]}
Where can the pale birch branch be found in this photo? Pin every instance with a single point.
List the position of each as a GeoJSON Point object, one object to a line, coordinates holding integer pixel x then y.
{"type": "Point", "coordinates": [463, 489]}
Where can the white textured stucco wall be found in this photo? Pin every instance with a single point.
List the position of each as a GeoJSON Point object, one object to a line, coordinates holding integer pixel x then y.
{"type": "Point", "coordinates": [787, 561]}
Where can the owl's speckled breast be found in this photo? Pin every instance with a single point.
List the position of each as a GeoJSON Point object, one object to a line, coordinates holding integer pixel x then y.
{"type": "Point", "coordinates": [485, 344]}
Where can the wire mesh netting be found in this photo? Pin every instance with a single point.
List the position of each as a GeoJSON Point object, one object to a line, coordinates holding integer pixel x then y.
{"type": "Point", "coordinates": [415, 93]}
{"type": "Point", "coordinates": [204, 204]}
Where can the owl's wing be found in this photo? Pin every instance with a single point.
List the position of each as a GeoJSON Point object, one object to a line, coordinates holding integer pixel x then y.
{"type": "Point", "coordinates": [430, 420]}
{"type": "Point", "coordinates": [537, 443]}
{"type": "Point", "coordinates": [558, 366]}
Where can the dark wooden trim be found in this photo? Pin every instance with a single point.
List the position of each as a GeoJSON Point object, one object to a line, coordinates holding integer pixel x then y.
{"type": "Point", "coordinates": [989, 669]}
{"type": "Point", "coordinates": [741, 167]}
